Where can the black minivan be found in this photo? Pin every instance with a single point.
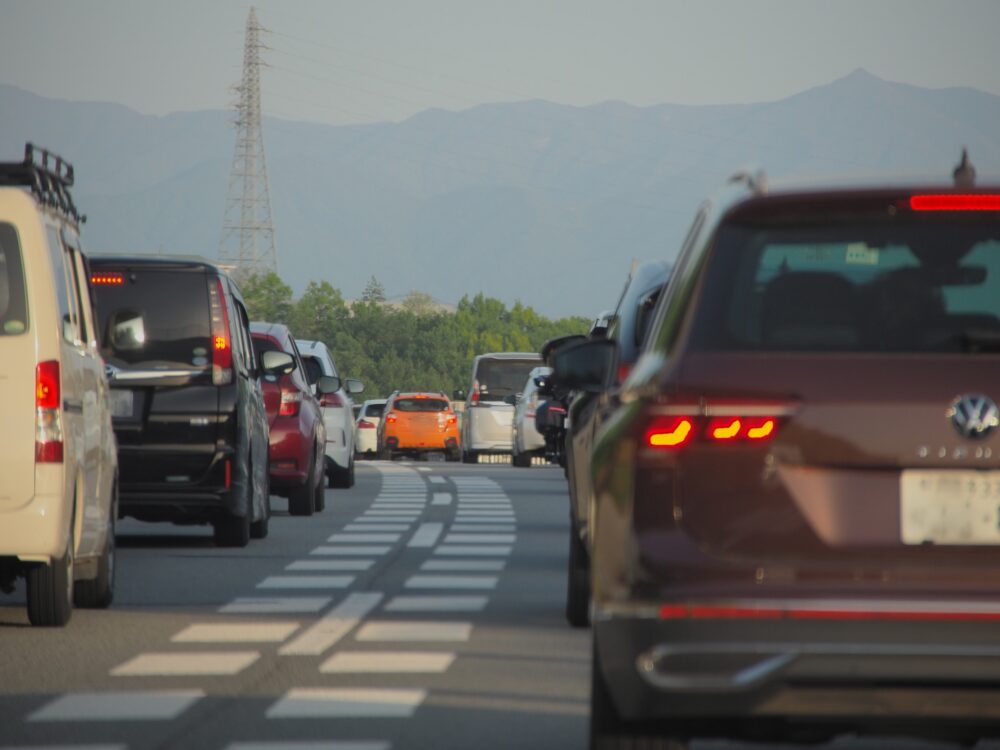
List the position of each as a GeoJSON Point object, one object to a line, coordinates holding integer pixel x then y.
{"type": "Point", "coordinates": [186, 399]}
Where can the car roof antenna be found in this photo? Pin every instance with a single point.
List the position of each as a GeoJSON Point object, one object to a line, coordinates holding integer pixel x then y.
{"type": "Point", "coordinates": [965, 173]}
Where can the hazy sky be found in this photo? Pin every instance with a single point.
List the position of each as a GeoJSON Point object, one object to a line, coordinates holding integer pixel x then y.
{"type": "Point", "coordinates": [366, 60]}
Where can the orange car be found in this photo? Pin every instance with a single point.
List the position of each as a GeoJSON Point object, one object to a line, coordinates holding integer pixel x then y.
{"type": "Point", "coordinates": [416, 423]}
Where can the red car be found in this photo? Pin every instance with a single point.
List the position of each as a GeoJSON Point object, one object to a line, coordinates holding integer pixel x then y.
{"type": "Point", "coordinates": [298, 436]}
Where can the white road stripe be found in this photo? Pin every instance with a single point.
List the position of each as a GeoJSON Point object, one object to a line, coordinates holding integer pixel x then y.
{"type": "Point", "coordinates": [331, 703]}
{"type": "Point", "coordinates": [328, 565]}
{"type": "Point", "coordinates": [464, 565]}
{"type": "Point", "coordinates": [484, 551]}
{"type": "Point", "coordinates": [386, 512]}
{"type": "Point", "coordinates": [275, 605]}
{"type": "Point", "coordinates": [306, 582]}
{"type": "Point", "coordinates": [186, 664]}
{"type": "Point", "coordinates": [426, 535]}
{"type": "Point", "coordinates": [387, 662]}
{"type": "Point", "coordinates": [362, 526]}
{"type": "Point", "coordinates": [484, 538]}
{"type": "Point", "coordinates": [437, 604]}
{"type": "Point", "coordinates": [362, 538]}
{"type": "Point", "coordinates": [333, 626]}
{"type": "Point", "coordinates": [485, 512]}
{"type": "Point", "coordinates": [484, 519]}
{"type": "Point", "coordinates": [350, 550]}
{"type": "Point", "coordinates": [132, 705]}
{"type": "Point", "coordinates": [442, 498]}
{"type": "Point", "coordinates": [63, 747]}
{"type": "Point", "coordinates": [414, 631]}
{"type": "Point", "coordinates": [495, 528]}
{"type": "Point", "coordinates": [451, 582]}
{"type": "Point", "coordinates": [408, 519]}
{"type": "Point", "coordinates": [309, 745]}
{"type": "Point", "coordinates": [236, 632]}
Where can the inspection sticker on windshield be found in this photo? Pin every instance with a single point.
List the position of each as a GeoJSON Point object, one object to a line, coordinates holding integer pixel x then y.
{"type": "Point", "coordinates": [949, 507]}
{"type": "Point", "coordinates": [858, 253]}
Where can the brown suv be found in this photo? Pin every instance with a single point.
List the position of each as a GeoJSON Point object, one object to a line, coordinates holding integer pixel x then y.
{"type": "Point", "coordinates": [796, 529]}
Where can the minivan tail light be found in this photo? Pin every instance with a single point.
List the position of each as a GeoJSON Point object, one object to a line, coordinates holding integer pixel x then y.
{"type": "Point", "coordinates": [330, 399]}
{"type": "Point", "coordinates": [48, 413]}
{"type": "Point", "coordinates": [222, 345]}
{"type": "Point", "coordinates": [291, 402]}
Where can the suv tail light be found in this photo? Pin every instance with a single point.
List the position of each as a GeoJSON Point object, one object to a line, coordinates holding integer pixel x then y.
{"type": "Point", "coordinates": [390, 418]}
{"type": "Point", "coordinates": [222, 345]}
{"type": "Point", "coordinates": [450, 419]}
{"type": "Point", "coordinates": [48, 413]}
{"type": "Point", "coordinates": [291, 402]}
{"type": "Point", "coordinates": [364, 424]}
{"type": "Point", "coordinates": [715, 423]}
{"type": "Point", "coordinates": [330, 399]}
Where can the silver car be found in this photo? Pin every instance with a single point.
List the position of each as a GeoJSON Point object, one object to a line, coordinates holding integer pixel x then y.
{"type": "Point", "coordinates": [497, 378]}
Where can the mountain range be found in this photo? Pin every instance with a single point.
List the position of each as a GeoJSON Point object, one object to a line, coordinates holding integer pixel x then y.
{"type": "Point", "coordinates": [532, 201]}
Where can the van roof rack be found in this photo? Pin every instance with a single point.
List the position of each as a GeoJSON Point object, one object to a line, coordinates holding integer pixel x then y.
{"type": "Point", "coordinates": [47, 175]}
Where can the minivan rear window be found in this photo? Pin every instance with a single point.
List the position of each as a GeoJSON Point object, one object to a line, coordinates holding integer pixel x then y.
{"type": "Point", "coordinates": [374, 410]}
{"type": "Point", "coordinates": [13, 303]}
{"type": "Point", "coordinates": [866, 286]}
{"type": "Point", "coordinates": [499, 378]}
{"type": "Point", "coordinates": [173, 309]}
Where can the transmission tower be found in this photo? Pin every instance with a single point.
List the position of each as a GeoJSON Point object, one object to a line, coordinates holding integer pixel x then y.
{"type": "Point", "coordinates": [247, 233]}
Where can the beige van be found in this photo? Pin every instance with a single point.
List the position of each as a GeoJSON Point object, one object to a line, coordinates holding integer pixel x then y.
{"type": "Point", "coordinates": [58, 462]}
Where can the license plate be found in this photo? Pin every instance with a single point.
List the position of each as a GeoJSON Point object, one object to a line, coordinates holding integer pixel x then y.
{"type": "Point", "coordinates": [121, 403]}
{"type": "Point", "coordinates": [950, 507]}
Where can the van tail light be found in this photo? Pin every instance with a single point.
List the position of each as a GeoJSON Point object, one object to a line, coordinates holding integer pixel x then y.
{"type": "Point", "coordinates": [291, 402]}
{"type": "Point", "coordinates": [222, 345]}
{"type": "Point", "coordinates": [48, 413]}
{"type": "Point", "coordinates": [330, 399]}
{"type": "Point", "coordinates": [715, 423]}
{"type": "Point", "coordinates": [390, 418]}
{"type": "Point", "coordinates": [364, 424]}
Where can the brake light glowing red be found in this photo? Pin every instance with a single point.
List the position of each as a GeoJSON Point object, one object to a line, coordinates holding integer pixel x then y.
{"type": "Point", "coordinates": [390, 418]}
{"type": "Point", "coordinates": [671, 432]}
{"type": "Point", "coordinates": [48, 413]}
{"type": "Point", "coordinates": [955, 202]}
{"type": "Point", "coordinates": [291, 402]}
{"type": "Point", "coordinates": [107, 279]}
{"type": "Point", "coordinates": [451, 420]}
{"type": "Point", "coordinates": [761, 431]}
{"type": "Point", "coordinates": [725, 429]}
{"type": "Point", "coordinates": [47, 388]}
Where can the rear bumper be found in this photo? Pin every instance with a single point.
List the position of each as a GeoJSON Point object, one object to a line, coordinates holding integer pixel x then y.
{"type": "Point", "coordinates": [858, 675]}
{"type": "Point", "coordinates": [365, 441]}
{"type": "Point", "coordinates": [37, 531]}
{"type": "Point", "coordinates": [184, 499]}
{"type": "Point", "coordinates": [290, 454]}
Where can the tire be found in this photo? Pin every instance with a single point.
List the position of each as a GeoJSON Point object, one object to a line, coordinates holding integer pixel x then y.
{"type": "Point", "coordinates": [98, 592]}
{"type": "Point", "coordinates": [521, 460]}
{"type": "Point", "coordinates": [319, 497]}
{"type": "Point", "coordinates": [577, 582]}
{"type": "Point", "coordinates": [302, 500]}
{"type": "Point", "coordinates": [342, 478]}
{"type": "Point", "coordinates": [470, 457]}
{"type": "Point", "coordinates": [50, 591]}
{"type": "Point", "coordinates": [232, 531]}
{"type": "Point", "coordinates": [453, 456]}
{"type": "Point", "coordinates": [261, 528]}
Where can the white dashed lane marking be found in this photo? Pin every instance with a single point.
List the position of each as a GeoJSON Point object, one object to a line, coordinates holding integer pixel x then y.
{"type": "Point", "coordinates": [470, 566]}
{"type": "Point", "coordinates": [414, 631]}
{"type": "Point", "coordinates": [387, 662]}
{"type": "Point", "coordinates": [350, 550]}
{"type": "Point", "coordinates": [437, 480]}
{"type": "Point", "coordinates": [187, 664]}
{"type": "Point", "coordinates": [476, 538]}
{"type": "Point", "coordinates": [328, 565]}
{"type": "Point", "coordinates": [132, 705]}
{"type": "Point", "coordinates": [333, 626]}
{"type": "Point", "coordinates": [363, 538]}
{"type": "Point", "coordinates": [309, 745]}
{"type": "Point", "coordinates": [442, 498]}
{"type": "Point", "coordinates": [437, 604]}
{"type": "Point", "coordinates": [451, 582]}
{"type": "Point", "coordinates": [332, 703]}
{"type": "Point", "coordinates": [493, 528]}
{"type": "Point", "coordinates": [426, 535]}
{"type": "Point", "coordinates": [306, 582]}
{"type": "Point", "coordinates": [274, 605]}
{"type": "Point", "coordinates": [462, 550]}
{"type": "Point", "coordinates": [376, 526]}
{"type": "Point", "coordinates": [236, 632]}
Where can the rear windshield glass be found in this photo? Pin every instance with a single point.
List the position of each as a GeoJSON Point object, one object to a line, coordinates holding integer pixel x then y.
{"type": "Point", "coordinates": [498, 378]}
{"type": "Point", "coordinates": [374, 410]}
{"type": "Point", "coordinates": [154, 316]}
{"type": "Point", "coordinates": [13, 305]}
{"type": "Point", "coordinates": [904, 286]}
{"type": "Point", "coordinates": [420, 404]}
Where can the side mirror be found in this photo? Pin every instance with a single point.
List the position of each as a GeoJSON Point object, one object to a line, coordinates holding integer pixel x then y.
{"type": "Point", "coordinates": [126, 330]}
{"type": "Point", "coordinates": [328, 384]}
{"type": "Point", "coordinates": [277, 363]}
{"type": "Point", "coordinates": [552, 345]}
{"type": "Point", "coordinates": [586, 366]}
{"type": "Point", "coordinates": [458, 395]}
{"type": "Point", "coordinates": [354, 386]}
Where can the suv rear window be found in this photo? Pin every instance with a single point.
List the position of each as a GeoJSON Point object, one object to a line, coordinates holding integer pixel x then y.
{"type": "Point", "coordinates": [373, 410]}
{"type": "Point", "coordinates": [13, 305]}
{"type": "Point", "coordinates": [173, 307]}
{"type": "Point", "coordinates": [868, 286]}
{"type": "Point", "coordinates": [499, 378]}
{"type": "Point", "coordinates": [420, 404]}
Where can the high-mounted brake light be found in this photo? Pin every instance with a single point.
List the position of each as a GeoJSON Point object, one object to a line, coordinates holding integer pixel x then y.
{"type": "Point", "coordinates": [48, 413]}
{"type": "Point", "coordinates": [955, 202]}
{"type": "Point", "coordinates": [107, 279]}
{"type": "Point", "coordinates": [222, 345]}
{"type": "Point", "coordinates": [671, 432]}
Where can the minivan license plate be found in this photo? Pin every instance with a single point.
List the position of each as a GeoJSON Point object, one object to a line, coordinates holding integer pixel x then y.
{"type": "Point", "coordinates": [121, 403]}
{"type": "Point", "coordinates": [949, 507]}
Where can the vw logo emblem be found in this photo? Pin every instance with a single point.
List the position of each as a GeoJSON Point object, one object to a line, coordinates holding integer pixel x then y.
{"type": "Point", "coordinates": [974, 415]}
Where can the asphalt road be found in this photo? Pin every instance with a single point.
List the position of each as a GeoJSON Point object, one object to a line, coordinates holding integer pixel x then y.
{"type": "Point", "coordinates": [422, 609]}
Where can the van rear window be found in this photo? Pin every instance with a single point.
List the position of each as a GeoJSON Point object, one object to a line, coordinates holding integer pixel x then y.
{"type": "Point", "coordinates": [868, 286]}
{"type": "Point", "coordinates": [174, 313]}
{"type": "Point", "coordinates": [13, 304]}
{"type": "Point", "coordinates": [499, 378]}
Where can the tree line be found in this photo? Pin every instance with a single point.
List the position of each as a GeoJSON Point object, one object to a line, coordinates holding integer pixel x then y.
{"type": "Point", "coordinates": [412, 345]}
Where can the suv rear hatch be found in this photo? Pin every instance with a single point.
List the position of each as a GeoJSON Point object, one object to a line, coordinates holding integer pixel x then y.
{"type": "Point", "coordinates": [823, 380]}
{"type": "Point", "coordinates": [156, 337]}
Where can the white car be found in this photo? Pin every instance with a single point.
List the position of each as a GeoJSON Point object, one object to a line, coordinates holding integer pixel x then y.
{"type": "Point", "coordinates": [366, 427]}
{"type": "Point", "coordinates": [489, 404]}
{"type": "Point", "coordinates": [338, 413]}
{"type": "Point", "coordinates": [58, 457]}
{"type": "Point", "coordinates": [527, 441]}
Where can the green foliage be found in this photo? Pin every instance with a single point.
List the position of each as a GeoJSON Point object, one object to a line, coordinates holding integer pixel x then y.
{"type": "Point", "coordinates": [411, 347]}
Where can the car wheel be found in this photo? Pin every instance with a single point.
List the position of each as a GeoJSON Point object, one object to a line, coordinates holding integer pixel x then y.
{"type": "Point", "coordinates": [261, 528]}
{"type": "Point", "coordinates": [301, 500]}
{"type": "Point", "coordinates": [50, 591]}
{"type": "Point", "coordinates": [98, 592]}
{"type": "Point", "coordinates": [577, 582]}
{"type": "Point", "coordinates": [608, 731]}
{"type": "Point", "coordinates": [319, 498]}
{"type": "Point", "coordinates": [343, 478]}
{"type": "Point", "coordinates": [232, 531]}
